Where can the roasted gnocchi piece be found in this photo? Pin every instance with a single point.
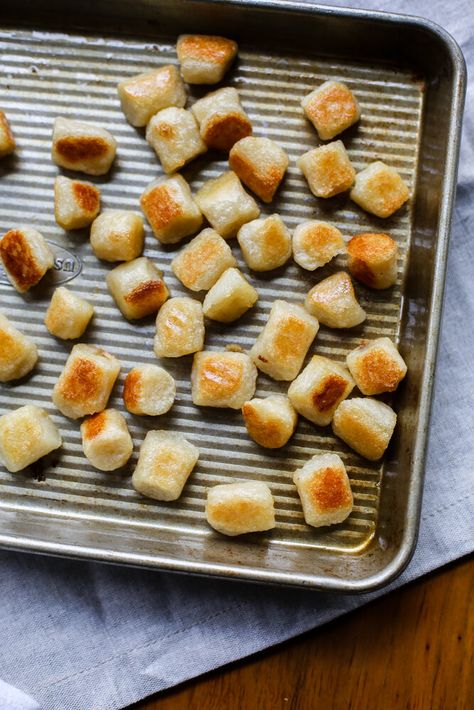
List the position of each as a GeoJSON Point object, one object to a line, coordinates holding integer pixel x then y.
{"type": "Point", "coordinates": [76, 203]}
{"type": "Point", "coordinates": [82, 147]}
{"type": "Point", "coordinates": [319, 389]}
{"type": "Point", "coordinates": [106, 440]}
{"type": "Point", "coordinates": [226, 205]}
{"type": "Point", "coordinates": [173, 133]}
{"type": "Point", "coordinates": [327, 169]}
{"type": "Point", "coordinates": [325, 490]}
{"type": "Point", "coordinates": [261, 165]}
{"type": "Point", "coordinates": [222, 120]}
{"type": "Point", "coordinates": [333, 302]}
{"type": "Point", "coordinates": [137, 288]}
{"type": "Point", "coordinates": [331, 108]}
{"type": "Point", "coordinates": [7, 141]}
{"type": "Point", "coordinates": [315, 243]}
{"type": "Point", "coordinates": [18, 353]}
{"type": "Point", "coordinates": [239, 508]}
{"type": "Point", "coordinates": [366, 425]}
{"type": "Point", "coordinates": [143, 95]}
{"type": "Point", "coordinates": [200, 263]}
{"type": "Point", "coordinates": [68, 315]}
{"type": "Point", "coordinates": [265, 243]}
{"type": "Point", "coordinates": [372, 259]}
{"type": "Point", "coordinates": [282, 345]}
{"type": "Point", "coordinates": [222, 379]}
{"type": "Point", "coordinates": [204, 59]}
{"type": "Point", "coordinates": [26, 435]}
{"type": "Point", "coordinates": [165, 463]}
{"type": "Point", "coordinates": [179, 328]}
{"type": "Point", "coordinates": [117, 235]}
{"type": "Point", "coordinates": [271, 421]}
{"type": "Point", "coordinates": [170, 209]}
{"type": "Point", "coordinates": [25, 256]}
{"type": "Point", "coordinates": [376, 366]}
{"type": "Point", "coordinates": [149, 390]}
{"type": "Point", "coordinates": [380, 190]}
{"type": "Point", "coordinates": [86, 382]}
{"type": "Point", "coordinates": [230, 297]}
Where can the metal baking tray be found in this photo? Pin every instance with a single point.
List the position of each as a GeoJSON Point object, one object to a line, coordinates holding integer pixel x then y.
{"type": "Point", "coordinates": [409, 76]}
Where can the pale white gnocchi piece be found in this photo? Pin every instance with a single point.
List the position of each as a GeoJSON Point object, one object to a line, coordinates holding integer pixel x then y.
{"type": "Point", "coordinates": [26, 435]}
{"type": "Point", "coordinates": [25, 256]}
{"type": "Point", "coordinates": [222, 379]}
{"type": "Point", "coordinates": [204, 59]}
{"type": "Point", "coordinates": [319, 389]}
{"type": "Point", "coordinates": [265, 243]}
{"type": "Point", "coordinates": [331, 108]}
{"type": "Point", "coordinates": [165, 463]}
{"type": "Point", "coordinates": [261, 165]}
{"type": "Point", "coordinates": [315, 243]}
{"type": "Point", "coordinates": [18, 353]}
{"type": "Point", "coordinates": [200, 263]}
{"type": "Point", "coordinates": [7, 141]}
{"type": "Point", "coordinates": [68, 315]}
{"type": "Point", "coordinates": [226, 205]}
{"type": "Point", "coordinates": [271, 421]}
{"type": "Point", "coordinates": [380, 190]}
{"type": "Point", "coordinates": [83, 147]}
{"type": "Point", "coordinates": [333, 302]}
{"type": "Point", "coordinates": [137, 288]}
{"type": "Point", "coordinates": [372, 259]}
{"type": "Point", "coordinates": [230, 297]}
{"type": "Point", "coordinates": [117, 235]}
{"type": "Point", "coordinates": [143, 95]}
{"type": "Point", "coordinates": [239, 508]}
{"type": "Point", "coordinates": [86, 382]}
{"type": "Point", "coordinates": [106, 440]}
{"type": "Point", "coordinates": [170, 209]}
{"type": "Point", "coordinates": [173, 133]}
{"type": "Point", "coordinates": [222, 120]}
{"type": "Point", "coordinates": [179, 328]}
{"type": "Point", "coordinates": [366, 425]}
{"type": "Point", "coordinates": [327, 169]}
{"type": "Point", "coordinates": [325, 490]}
{"type": "Point", "coordinates": [76, 203]}
{"type": "Point", "coordinates": [281, 347]}
{"type": "Point", "coordinates": [149, 390]}
{"type": "Point", "coordinates": [376, 366]}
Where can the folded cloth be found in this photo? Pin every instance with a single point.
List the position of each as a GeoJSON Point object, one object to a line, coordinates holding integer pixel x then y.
{"type": "Point", "coordinates": [86, 636]}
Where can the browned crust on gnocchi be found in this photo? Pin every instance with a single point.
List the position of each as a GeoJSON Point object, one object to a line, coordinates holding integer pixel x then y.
{"type": "Point", "coordinates": [18, 260]}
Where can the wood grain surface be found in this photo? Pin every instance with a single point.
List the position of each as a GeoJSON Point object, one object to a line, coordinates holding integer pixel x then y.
{"type": "Point", "coordinates": [413, 649]}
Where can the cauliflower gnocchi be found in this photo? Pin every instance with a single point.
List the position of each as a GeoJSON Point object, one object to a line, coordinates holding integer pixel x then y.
{"type": "Point", "coordinates": [281, 347]}
{"type": "Point", "coordinates": [170, 209]}
{"type": "Point", "coordinates": [68, 315]}
{"type": "Point", "coordinates": [271, 421]}
{"type": "Point", "coordinates": [179, 328]}
{"type": "Point", "coordinates": [315, 243]}
{"type": "Point", "coordinates": [149, 390]}
{"type": "Point", "coordinates": [76, 203]}
{"type": "Point", "coordinates": [226, 205]}
{"type": "Point", "coordinates": [204, 59]}
{"type": "Point", "coordinates": [143, 95]}
{"type": "Point", "coordinates": [25, 256]}
{"type": "Point", "coordinates": [106, 440]}
{"type": "Point", "coordinates": [327, 169]}
{"type": "Point", "coordinates": [238, 508]}
{"type": "Point", "coordinates": [325, 490]}
{"type": "Point", "coordinates": [366, 425]}
{"type": "Point", "coordinates": [333, 302]}
{"type": "Point", "coordinates": [26, 435]}
{"type": "Point", "coordinates": [222, 120]}
{"type": "Point", "coordinates": [200, 263]}
{"type": "Point", "coordinates": [372, 259]}
{"type": "Point", "coordinates": [230, 297]}
{"type": "Point", "coordinates": [173, 133]}
{"type": "Point", "coordinates": [222, 379]}
{"type": "Point", "coordinates": [86, 382]}
{"type": "Point", "coordinates": [117, 235]}
{"type": "Point", "coordinates": [18, 353]}
{"type": "Point", "coordinates": [82, 147]}
{"type": "Point", "coordinates": [319, 389]}
{"type": "Point", "coordinates": [376, 366]}
{"type": "Point", "coordinates": [165, 463]}
{"type": "Point", "coordinates": [380, 190]}
{"type": "Point", "coordinates": [265, 243]}
{"type": "Point", "coordinates": [137, 288]}
{"type": "Point", "coordinates": [331, 108]}
{"type": "Point", "coordinates": [261, 165]}
{"type": "Point", "coordinates": [7, 141]}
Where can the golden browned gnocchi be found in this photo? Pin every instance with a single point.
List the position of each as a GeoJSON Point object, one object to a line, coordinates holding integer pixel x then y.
{"type": "Point", "coordinates": [315, 243]}
{"type": "Point", "coordinates": [271, 421]}
{"type": "Point", "coordinates": [239, 508]}
{"type": "Point", "coordinates": [76, 203]}
{"type": "Point", "coordinates": [222, 379]}
{"type": "Point", "coordinates": [265, 243]}
{"type": "Point", "coordinates": [18, 353]}
{"type": "Point", "coordinates": [372, 259]}
{"type": "Point", "coordinates": [331, 108]}
{"type": "Point", "coordinates": [200, 263]}
{"type": "Point", "coordinates": [226, 205]}
{"type": "Point", "coordinates": [222, 120]}
{"type": "Point", "coordinates": [106, 440]}
{"type": "Point", "coordinates": [333, 302]}
{"type": "Point", "coordinates": [173, 133]}
{"type": "Point", "coordinates": [137, 288]}
{"type": "Point", "coordinates": [380, 190]}
{"type": "Point", "coordinates": [170, 209]}
{"type": "Point", "coordinates": [7, 141]}
{"type": "Point", "coordinates": [179, 328]}
{"type": "Point", "coordinates": [327, 169]}
{"type": "Point", "coordinates": [117, 235]}
{"type": "Point", "coordinates": [149, 390]}
{"type": "Point", "coordinates": [25, 256]}
{"type": "Point", "coordinates": [325, 490]}
{"type": "Point", "coordinates": [26, 435]}
{"type": "Point", "coordinates": [68, 315]}
{"type": "Point", "coordinates": [261, 165]}
{"type": "Point", "coordinates": [366, 425]}
{"type": "Point", "coordinates": [82, 147]}
{"type": "Point", "coordinates": [230, 297]}
{"type": "Point", "coordinates": [143, 95]}
{"type": "Point", "coordinates": [376, 366]}
{"type": "Point", "coordinates": [204, 59]}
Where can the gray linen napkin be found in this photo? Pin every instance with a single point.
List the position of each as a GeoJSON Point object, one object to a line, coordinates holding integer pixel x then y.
{"type": "Point", "coordinates": [84, 636]}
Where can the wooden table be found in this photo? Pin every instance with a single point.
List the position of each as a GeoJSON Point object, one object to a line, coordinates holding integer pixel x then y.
{"type": "Point", "coordinates": [413, 650]}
